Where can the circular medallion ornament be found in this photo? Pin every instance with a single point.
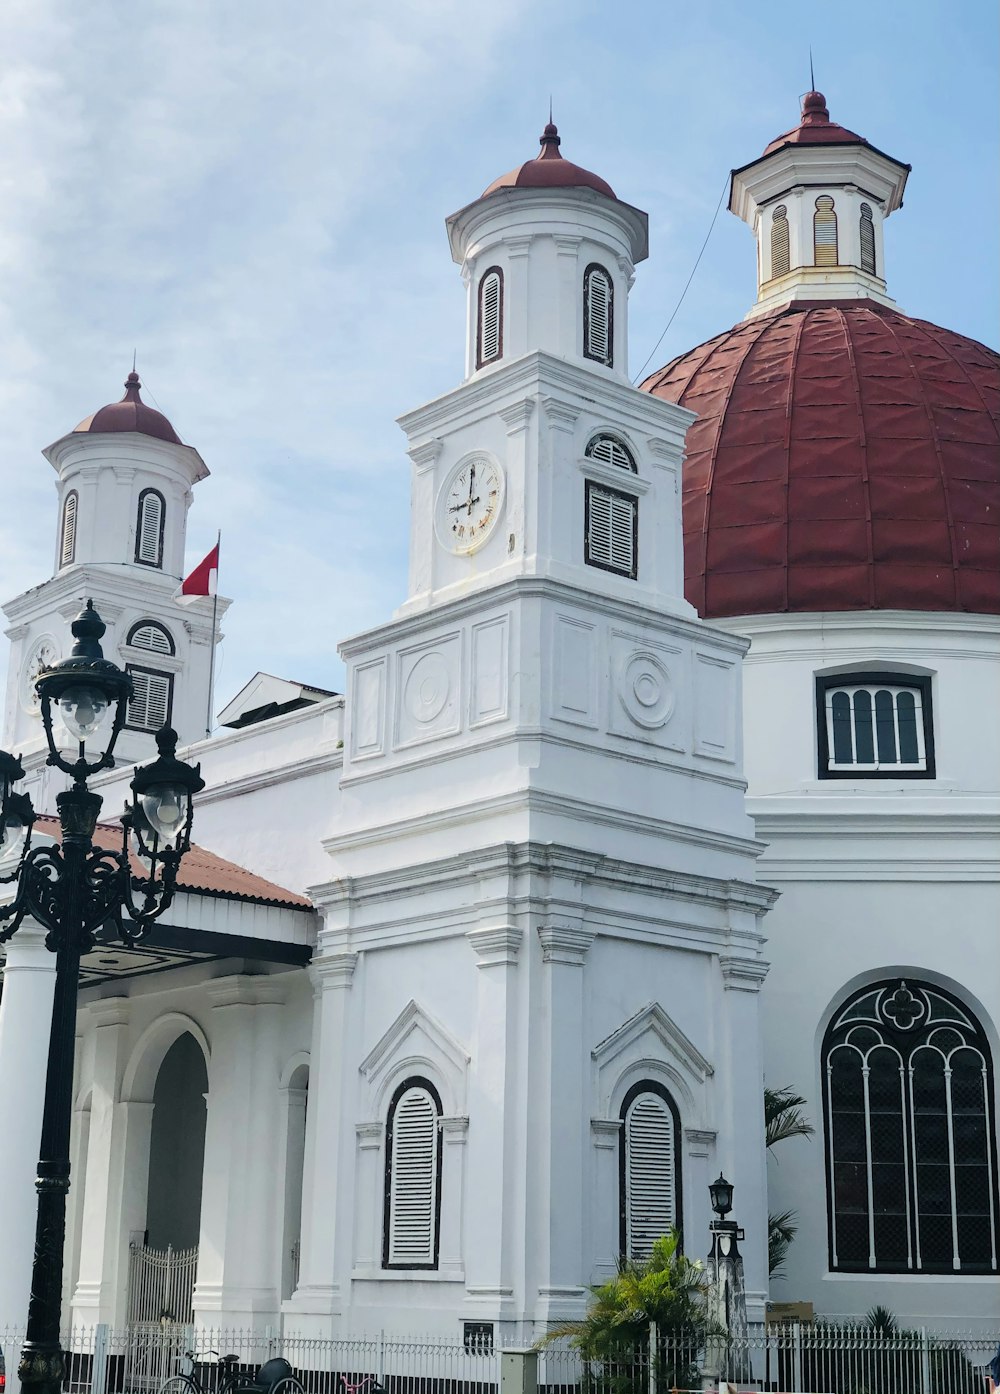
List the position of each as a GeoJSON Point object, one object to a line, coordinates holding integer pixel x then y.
{"type": "Point", "coordinates": [427, 688]}
{"type": "Point", "coordinates": [42, 654]}
{"type": "Point", "coordinates": [469, 504]}
{"type": "Point", "coordinates": [645, 690]}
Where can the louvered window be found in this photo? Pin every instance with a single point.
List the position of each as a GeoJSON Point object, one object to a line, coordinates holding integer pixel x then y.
{"type": "Point", "coordinates": [779, 242]}
{"type": "Point", "coordinates": [825, 232]}
{"type": "Point", "coordinates": [598, 315]}
{"type": "Point", "coordinates": [149, 528]}
{"type": "Point", "coordinates": [611, 451]}
{"type": "Point", "coordinates": [611, 526]}
{"type": "Point", "coordinates": [490, 334]}
{"type": "Point", "coordinates": [150, 635]}
{"type": "Point", "coordinates": [650, 1169]}
{"type": "Point", "coordinates": [875, 725]}
{"type": "Point", "coordinates": [909, 1120]}
{"type": "Point", "coordinates": [867, 240]}
{"type": "Point", "coordinates": [67, 542]}
{"type": "Point", "coordinates": [413, 1181]}
{"type": "Point", "coordinates": [152, 699]}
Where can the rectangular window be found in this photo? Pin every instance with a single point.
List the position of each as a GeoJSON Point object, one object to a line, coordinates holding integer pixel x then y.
{"type": "Point", "coordinates": [874, 725]}
{"type": "Point", "coordinates": [150, 707]}
{"type": "Point", "coordinates": [611, 525]}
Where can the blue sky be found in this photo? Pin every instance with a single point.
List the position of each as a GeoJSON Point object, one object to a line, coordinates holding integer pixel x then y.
{"type": "Point", "coordinates": [253, 196]}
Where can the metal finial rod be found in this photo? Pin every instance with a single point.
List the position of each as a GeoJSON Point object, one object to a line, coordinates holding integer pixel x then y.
{"type": "Point", "coordinates": [812, 76]}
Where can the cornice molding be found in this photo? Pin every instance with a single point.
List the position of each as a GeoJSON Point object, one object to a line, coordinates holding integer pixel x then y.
{"type": "Point", "coordinates": [567, 944]}
{"type": "Point", "coordinates": [333, 971]}
{"type": "Point", "coordinates": [499, 945]}
{"type": "Point", "coordinates": [742, 974]}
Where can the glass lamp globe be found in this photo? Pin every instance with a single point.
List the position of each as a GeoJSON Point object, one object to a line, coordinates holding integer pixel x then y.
{"type": "Point", "coordinates": [83, 709]}
{"type": "Point", "coordinates": [12, 835]}
{"type": "Point", "coordinates": [166, 808]}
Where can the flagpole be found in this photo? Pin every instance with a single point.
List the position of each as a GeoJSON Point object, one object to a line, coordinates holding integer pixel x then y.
{"type": "Point", "coordinates": [215, 613]}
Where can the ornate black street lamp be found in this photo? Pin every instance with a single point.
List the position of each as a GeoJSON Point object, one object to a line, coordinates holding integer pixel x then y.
{"type": "Point", "coordinates": [73, 890]}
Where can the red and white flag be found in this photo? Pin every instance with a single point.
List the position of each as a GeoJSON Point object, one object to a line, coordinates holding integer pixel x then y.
{"type": "Point", "coordinates": [203, 580]}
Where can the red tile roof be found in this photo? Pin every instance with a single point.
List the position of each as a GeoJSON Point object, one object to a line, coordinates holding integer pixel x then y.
{"type": "Point", "coordinates": [130, 414]}
{"type": "Point", "coordinates": [815, 127]}
{"type": "Point", "coordinates": [548, 170]}
{"type": "Point", "coordinates": [845, 457]}
{"type": "Point", "coordinates": [201, 871]}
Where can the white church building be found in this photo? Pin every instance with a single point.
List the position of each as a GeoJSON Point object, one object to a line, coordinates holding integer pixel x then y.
{"type": "Point", "coordinates": [677, 770]}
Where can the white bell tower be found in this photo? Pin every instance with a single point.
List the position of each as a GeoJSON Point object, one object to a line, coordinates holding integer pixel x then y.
{"type": "Point", "coordinates": [123, 481]}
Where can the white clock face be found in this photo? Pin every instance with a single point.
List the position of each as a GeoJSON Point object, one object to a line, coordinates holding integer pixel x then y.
{"type": "Point", "coordinates": [470, 503]}
{"type": "Point", "coordinates": [42, 655]}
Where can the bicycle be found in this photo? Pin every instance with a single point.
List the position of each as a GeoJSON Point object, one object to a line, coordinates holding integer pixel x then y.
{"type": "Point", "coordinates": [275, 1376]}
{"type": "Point", "coordinates": [377, 1387]}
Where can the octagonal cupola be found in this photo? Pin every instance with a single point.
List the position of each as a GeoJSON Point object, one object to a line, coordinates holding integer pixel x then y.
{"type": "Point", "coordinates": [548, 254]}
{"type": "Point", "coordinates": [816, 200]}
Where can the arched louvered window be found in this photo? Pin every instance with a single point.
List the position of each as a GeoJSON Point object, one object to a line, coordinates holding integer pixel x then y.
{"type": "Point", "coordinates": [650, 1168]}
{"type": "Point", "coordinates": [874, 726]}
{"type": "Point", "coordinates": [598, 315]}
{"type": "Point", "coordinates": [825, 232]}
{"type": "Point", "coordinates": [412, 1177]}
{"type": "Point", "coordinates": [489, 335]}
{"type": "Point", "coordinates": [910, 1126]}
{"type": "Point", "coordinates": [152, 699]}
{"type": "Point", "coordinates": [67, 538]}
{"type": "Point", "coordinates": [867, 229]}
{"type": "Point", "coordinates": [149, 528]}
{"type": "Point", "coordinates": [150, 634]}
{"type": "Point", "coordinates": [780, 262]}
{"type": "Point", "coordinates": [611, 451]}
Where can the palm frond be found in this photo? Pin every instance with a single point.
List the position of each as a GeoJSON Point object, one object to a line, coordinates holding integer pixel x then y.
{"type": "Point", "coordinates": [783, 1116]}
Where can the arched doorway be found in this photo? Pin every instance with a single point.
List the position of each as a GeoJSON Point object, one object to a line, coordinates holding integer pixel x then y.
{"type": "Point", "coordinates": [177, 1147]}
{"type": "Point", "coordinates": [296, 1093]}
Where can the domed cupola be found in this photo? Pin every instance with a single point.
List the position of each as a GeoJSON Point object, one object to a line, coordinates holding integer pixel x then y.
{"type": "Point", "coordinates": [846, 456]}
{"type": "Point", "coordinates": [130, 414]}
{"type": "Point", "coordinates": [548, 254]}
{"type": "Point", "coordinates": [816, 201]}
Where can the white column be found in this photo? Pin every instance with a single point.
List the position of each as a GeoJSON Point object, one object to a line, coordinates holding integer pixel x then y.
{"type": "Point", "coordinates": [742, 1154]}
{"type": "Point", "coordinates": [25, 1017]}
{"type": "Point", "coordinates": [238, 1266]}
{"type": "Point", "coordinates": [101, 1279]}
{"type": "Point", "coordinates": [316, 1300]}
{"type": "Point", "coordinates": [292, 1137]}
{"type": "Point", "coordinates": [561, 1290]}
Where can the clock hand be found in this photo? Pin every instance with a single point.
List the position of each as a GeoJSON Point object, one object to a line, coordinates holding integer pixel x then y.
{"type": "Point", "coordinates": [457, 508]}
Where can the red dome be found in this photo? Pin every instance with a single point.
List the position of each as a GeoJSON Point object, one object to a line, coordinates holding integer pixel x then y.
{"type": "Point", "coordinates": [815, 127]}
{"type": "Point", "coordinates": [130, 414]}
{"type": "Point", "coordinates": [845, 457]}
{"type": "Point", "coordinates": [548, 170]}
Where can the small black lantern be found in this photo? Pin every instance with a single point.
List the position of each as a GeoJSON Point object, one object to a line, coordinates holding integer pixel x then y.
{"type": "Point", "coordinates": [721, 1192]}
{"type": "Point", "coordinates": [86, 687]}
{"type": "Point", "coordinates": [160, 817]}
{"type": "Point", "coordinates": [16, 812]}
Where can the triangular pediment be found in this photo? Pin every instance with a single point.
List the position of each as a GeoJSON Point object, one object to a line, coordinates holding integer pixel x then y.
{"type": "Point", "coordinates": [415, 1038]}
{"type": "Point", "coordinates": [652, 1020]}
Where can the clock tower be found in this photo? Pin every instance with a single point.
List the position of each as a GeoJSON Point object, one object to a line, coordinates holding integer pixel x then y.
{"type": "Point", "coordinates": [542, 876]}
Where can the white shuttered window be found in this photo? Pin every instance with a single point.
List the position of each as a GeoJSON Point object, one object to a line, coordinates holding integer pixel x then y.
{"type": "Point", "coordinates": [490, 346]}
{"type": "Point", "coordinates": [650, 1202]}
{"type": "Point", "coordinates": [412, 1180]}
{"type": "Point", "coordinates": [151, 636]}
{"type": "Point", "coordinates": [67, 544]}
{"type": "Point", "coordinates": [867, 234]}
{"type": "Point", "coordinates": [598, 313]}
{"type": "Point", "coordinates": [149, 708]}
{"type": "Point", "coordinates": [611, 530]}
{"type": "Point", "coordinates": [825, 232]}
{"type": "Point", "coordinates": [149, 529]}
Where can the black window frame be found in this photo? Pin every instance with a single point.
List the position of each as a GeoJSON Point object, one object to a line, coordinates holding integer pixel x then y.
{"type": "Point", "coordinates": [919, 683]}
{"type": "Point", "coordinates": [156, 673]}
{"type": "Point", "coordinates": [139, 560]}
{"type": "Point", "coordinates": [602, 487]}
{"type": "Point", "coordinates": [906, 1049]}
{"type": "Point", "coordinates": [413, 1082]}
{"type": "Point", "coordinates": [607, 360]}
{"type": "Point", "coordinates": [152, 624]}
{"type": "Point", "coordinates": [482, 362]}
{"type": "Point", "coordinates": [649, 1086]}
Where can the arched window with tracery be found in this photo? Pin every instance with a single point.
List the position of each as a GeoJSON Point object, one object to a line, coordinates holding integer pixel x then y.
{"type": "Point", "coordinates": [649, 1168]}
{"type": "Point", "coordinates": [867, 231]}
{"type": "Point", "coordinates": [825, 232]}
{"type": "Point", "coordinates": [149, 528]}
{"type": "Point", "coordinates": [412, 1177]}
{"type": "Point", "coordinates": [780, 263]}
{"type": "Point", "coordinates": [598, 315]}
{"type": "Point", "coordinates": [489, 332]}
{"type": "Point", "coordinates": [67, 536]}
{"type": "Point", "coordinates": [910, 1125]}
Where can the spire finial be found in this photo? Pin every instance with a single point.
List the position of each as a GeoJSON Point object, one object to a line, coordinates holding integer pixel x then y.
{"type": "Point", "coordinates": [812, 76]}
{"type": "Point", "coordinates": [134, 351]}
{"type": "Point", "coordinates": [550, 108]}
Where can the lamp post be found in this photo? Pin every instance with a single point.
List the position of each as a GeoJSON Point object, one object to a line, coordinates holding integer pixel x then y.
{"type": "Point", "coordinates": [73, 890]}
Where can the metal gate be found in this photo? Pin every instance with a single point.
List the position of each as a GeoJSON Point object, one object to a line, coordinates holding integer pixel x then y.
{"type": "Point", "coordinates": [161, 1284]}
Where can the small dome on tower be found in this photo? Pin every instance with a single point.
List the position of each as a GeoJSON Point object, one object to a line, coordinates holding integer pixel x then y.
{"type": "Point", "coordinates": [815, 127]}
{"type": "Point", "coordinates": [130, 414]}
{"type": "Point", "coordinates": [548, 170]}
